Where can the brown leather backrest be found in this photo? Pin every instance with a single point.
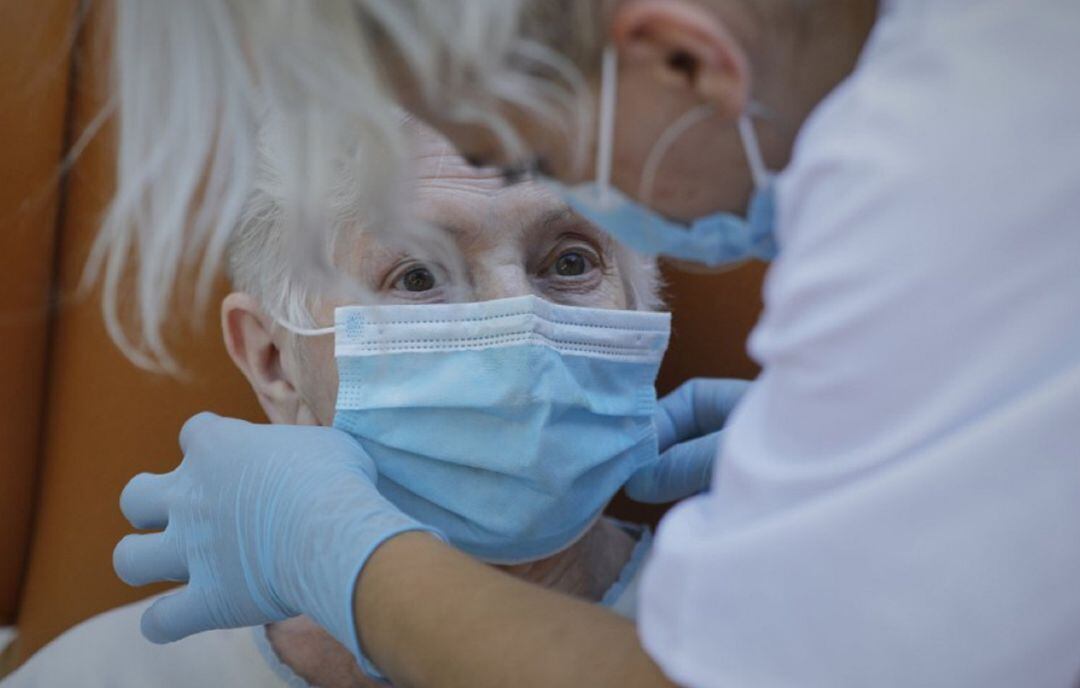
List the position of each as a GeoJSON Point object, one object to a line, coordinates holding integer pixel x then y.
{"type": "Point", "coordinates": [105, 420]}
{"type": "Point", "coordinates": [34, 82]}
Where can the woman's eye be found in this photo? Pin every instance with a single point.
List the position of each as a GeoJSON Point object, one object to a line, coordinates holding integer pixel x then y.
{"type": "Point", "coordinates": [417, 279]}
{"type": "Point", "coordinates": [572, 264]}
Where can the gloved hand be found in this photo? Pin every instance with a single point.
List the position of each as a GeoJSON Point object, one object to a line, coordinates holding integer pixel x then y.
{"type": "Point", "coordinates": [264, 522]}
{"type": "Point", "coordinates": [689, 427]}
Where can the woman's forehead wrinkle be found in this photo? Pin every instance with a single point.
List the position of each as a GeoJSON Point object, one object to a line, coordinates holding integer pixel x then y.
{"type": "Point", "coordinates": [436, 159]}
{"type": "Point", "coordinates": [451, 173]}
{"type": "Point", "coordinates": [476, 206]}
{"type": "Point", "coordinates": [439, 165]}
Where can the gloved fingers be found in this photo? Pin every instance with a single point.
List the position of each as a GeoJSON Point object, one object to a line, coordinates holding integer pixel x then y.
{"type": "Point", "coordinates": [714, 400]}
{"type": "Point", "coordinates": [195, 426]}
{"type": "Point", "coordinates": [682, 471]}
{"type": "Point", "coordinates": [698, 407]}
{"type": "Point", "coordinates": [676, 417]}
{"type": "Point", "coordinates": [144, 501]}
{"type": "Point", "coordinates": [664, 420]}
{"type": "Point", "coordinates": [176, 616]}
{"type": "Point", "coordinates": [149, 558]}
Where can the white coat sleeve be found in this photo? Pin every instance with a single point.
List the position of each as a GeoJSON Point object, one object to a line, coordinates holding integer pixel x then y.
{"type": "Point", "coordinates": [898, 498]}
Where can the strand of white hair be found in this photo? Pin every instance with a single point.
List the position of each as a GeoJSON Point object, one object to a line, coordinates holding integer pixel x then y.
{"type": "Point", "coordinates": [196, 83]}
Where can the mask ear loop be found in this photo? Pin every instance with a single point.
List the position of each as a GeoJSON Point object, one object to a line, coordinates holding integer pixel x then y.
{"type": "Point", "coordinates": [748, 134]}
{"type": "Point", "coordinates": [663, 144]}
{"type": "Point", "coordinates": [605, 134]}
{"type": "Point", "coordinates": [667, 139]}
{"type": "Point", "coordinates": [306, 331]}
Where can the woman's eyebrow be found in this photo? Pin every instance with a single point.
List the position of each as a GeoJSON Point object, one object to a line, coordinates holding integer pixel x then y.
{"type": "Point", "coordinates": [455, 232]}
{"type": "Point", "coordinates": [370, 255]}
{"type": "Point", "coordinates": [563, 220]}
{"type": "Point", "coordinates": [553, 217]}
{"type": "Point", "coordinates": [564, 216]}
{"type": "Point", "coordinates": [543, 222]}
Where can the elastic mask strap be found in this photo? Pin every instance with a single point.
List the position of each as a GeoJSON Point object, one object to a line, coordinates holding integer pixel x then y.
{"type": "Point", "coordinates": [670, 135]}
{"type": "Point", "coordinates": [306, 332]}
{"type": "Point", "coordinates": [606, 132]}
{"type": "Point", "coordinates": [606, 123]}
{"type": "Point", "coordinates": [753, 150]}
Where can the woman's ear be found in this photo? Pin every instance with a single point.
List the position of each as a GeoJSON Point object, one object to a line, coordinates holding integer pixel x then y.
{"type": "Point", "coordinates": [249, 339]}
{"type": "Point", "coordinates": [683, 45]}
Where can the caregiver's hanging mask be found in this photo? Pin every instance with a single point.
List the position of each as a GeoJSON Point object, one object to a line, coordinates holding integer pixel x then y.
{"type": "Point", "coordinates": [714, 240]}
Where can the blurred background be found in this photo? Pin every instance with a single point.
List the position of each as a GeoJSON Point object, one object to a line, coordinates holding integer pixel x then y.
{"type": "Point", "coordinates": [77, 419]}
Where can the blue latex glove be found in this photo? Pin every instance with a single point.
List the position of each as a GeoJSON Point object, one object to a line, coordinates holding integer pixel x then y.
{"type": "Point", "coordinates": [263, 522]}
{"type": "Point", "coordinates": [689, 428]}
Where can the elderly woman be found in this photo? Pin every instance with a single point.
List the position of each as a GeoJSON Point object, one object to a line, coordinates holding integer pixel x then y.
{"type": "Point", "coordinates": [510, 240]}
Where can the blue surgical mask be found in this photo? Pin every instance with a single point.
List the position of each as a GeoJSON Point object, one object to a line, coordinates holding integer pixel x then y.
{"type": "Point", "coordinates": [714, 240]}
{"type": "Point", "coordinates": [508, 424]}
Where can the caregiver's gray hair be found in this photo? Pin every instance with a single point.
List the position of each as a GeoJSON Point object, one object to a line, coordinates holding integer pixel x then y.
{"type": "Point", "coordinates": [196, 79]}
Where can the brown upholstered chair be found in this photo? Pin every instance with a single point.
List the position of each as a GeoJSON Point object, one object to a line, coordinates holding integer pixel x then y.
{"type": "Point", "coordinates": [77, 420]}
{"type": "Point", "coordinates": [34, 71]}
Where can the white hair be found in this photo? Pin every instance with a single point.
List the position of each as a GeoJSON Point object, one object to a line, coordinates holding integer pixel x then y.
{"type": "Point", "coordinates": [196, 80]}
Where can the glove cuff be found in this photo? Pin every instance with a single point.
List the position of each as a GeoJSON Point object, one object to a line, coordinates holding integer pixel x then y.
{"type": "Point", "coordinates": [343, 627]}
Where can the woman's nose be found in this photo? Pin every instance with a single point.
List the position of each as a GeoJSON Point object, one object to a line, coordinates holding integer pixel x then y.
{"type": "Point", "coordinates": [501, 282]}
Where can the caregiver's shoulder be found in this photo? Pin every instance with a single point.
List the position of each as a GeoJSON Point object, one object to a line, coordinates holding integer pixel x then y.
{"type": "Point", "coordinates": [109, 650]}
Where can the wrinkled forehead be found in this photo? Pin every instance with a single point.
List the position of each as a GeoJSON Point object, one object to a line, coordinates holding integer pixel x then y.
{"type": "Point", "coordinates": [435, 159]}
{"type": "Point", "coordinates": [444, 183]}
{"type": "Point", "coordinates": [460, 207]}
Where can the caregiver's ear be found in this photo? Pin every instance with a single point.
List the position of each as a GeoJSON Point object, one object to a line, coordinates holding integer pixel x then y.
{"type": "Point", "coordinates": [684, 45]}
{"type": "Point", "coordinates": [250, 340]}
